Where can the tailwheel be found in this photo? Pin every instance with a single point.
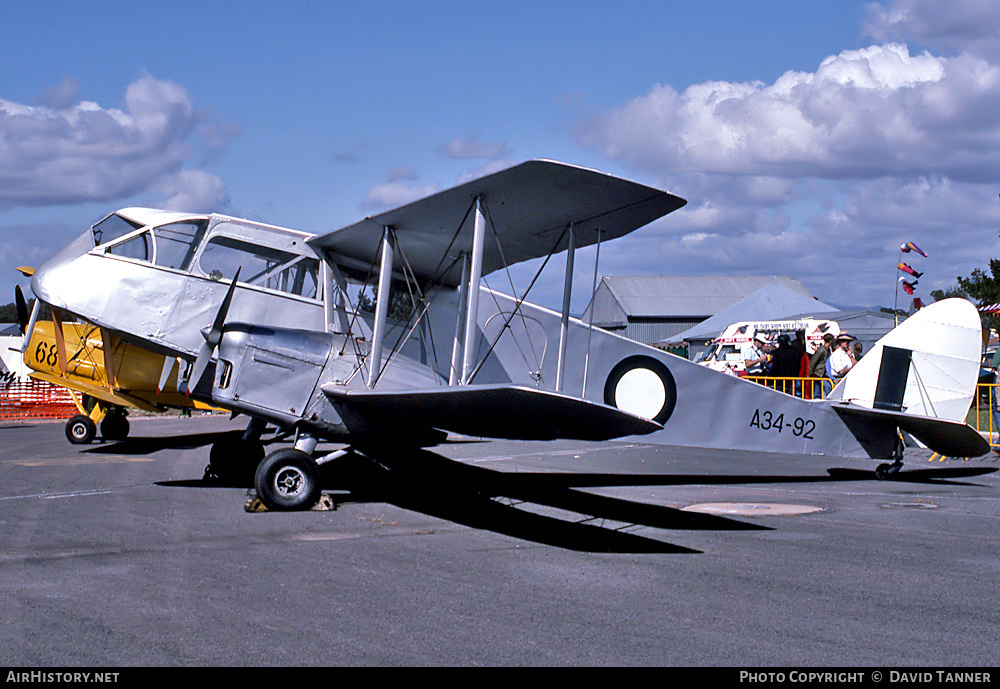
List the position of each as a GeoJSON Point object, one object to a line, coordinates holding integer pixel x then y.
{"type": "Point", "coordinates": [887, 471]}
{"type": "Point", "coordinates": [288, 479]}
{"type": "Point", "coordinates": [884, 472]}
{"type": "Point", "coordinates": [81, 430]}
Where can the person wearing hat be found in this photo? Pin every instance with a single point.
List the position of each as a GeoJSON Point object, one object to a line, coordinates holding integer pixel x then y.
{"type": "Point", "coordinates": [841, 360]}
{"type": "Point", "coordinates": [754, 356]}
{"type": "Point", "coordinates": [785, 361]}
{"type": "Point", "coordinates": [817, 366]}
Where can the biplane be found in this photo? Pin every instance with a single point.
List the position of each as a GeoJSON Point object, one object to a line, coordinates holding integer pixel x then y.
{"type": "Point", "coordinates": [261, 321]}
{"type": "Point", "coordinates": [105, 375]}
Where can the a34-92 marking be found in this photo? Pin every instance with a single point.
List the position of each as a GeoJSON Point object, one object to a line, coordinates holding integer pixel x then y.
{"type": "Point", "coordinates": [767, 421]}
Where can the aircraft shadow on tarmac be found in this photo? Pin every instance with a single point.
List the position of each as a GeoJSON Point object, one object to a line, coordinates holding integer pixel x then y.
{"type": "Point", "coordinates": [138, 445]}
{"type": "Point", "coordinates": [425, 482]}
{"type": "Point", "coordinates": [495, 501]}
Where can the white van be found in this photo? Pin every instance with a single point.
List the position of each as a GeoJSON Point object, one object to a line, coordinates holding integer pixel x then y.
{"type": "Point", "coordinates": [726, 352]}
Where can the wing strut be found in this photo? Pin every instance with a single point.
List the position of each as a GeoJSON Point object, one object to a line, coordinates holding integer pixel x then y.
{"type": "Point", "coordinates": [564, 321]}
{"type": "Point", "coordinates": [456, 346]}
{"type": "Point", "coordinates": [381, 304]}
{"type": "Point", "coordinates": [30, 327]}
{"type": "Point", "coordinates": [472, 306]}
{"type": "Point", "coordinates": [590, 324]}
{"type": "Point", "coordinates": [57, 331]}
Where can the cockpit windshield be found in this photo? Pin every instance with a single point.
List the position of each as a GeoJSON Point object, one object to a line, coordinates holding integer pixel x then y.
{"type": "Point", "coordinates": [112, 227]}
{"type": "Point", "coordinates": [261, 266]}
{"type": "Point", "coordinates": [177, 242]}
{"type": "Point", "coordinates": [189, 246]}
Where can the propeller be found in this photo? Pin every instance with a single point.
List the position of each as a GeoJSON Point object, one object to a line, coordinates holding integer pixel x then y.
{"type": "Point", "coordinates": [212, 338]}
{"type": "Point", "coordinates": [22, 309]}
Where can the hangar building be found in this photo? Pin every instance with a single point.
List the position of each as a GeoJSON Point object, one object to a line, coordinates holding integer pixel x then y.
{"type": "Point", "coordinates": [652, 309]}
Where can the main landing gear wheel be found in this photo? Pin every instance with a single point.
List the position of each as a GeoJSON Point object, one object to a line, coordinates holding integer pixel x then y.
{"type": "Point", "coordinates": [288, 479]}
{"type": "Point", "coordinates": [114, 427]}
{"type": "Point", "coordinates": [234, 459]}
{"type": "Point", "coordinates": [81, 430]}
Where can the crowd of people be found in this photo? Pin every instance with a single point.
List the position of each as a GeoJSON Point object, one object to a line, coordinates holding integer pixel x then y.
{"type": "Point", "coordinates": [789, 358]}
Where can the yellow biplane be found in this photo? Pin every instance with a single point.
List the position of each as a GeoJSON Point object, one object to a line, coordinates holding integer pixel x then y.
{"type": "Point", "coordinates": [106, 375]}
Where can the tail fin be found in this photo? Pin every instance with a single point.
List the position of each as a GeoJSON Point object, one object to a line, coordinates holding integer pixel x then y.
{"type": "Point", "coordinates": [927, 366]}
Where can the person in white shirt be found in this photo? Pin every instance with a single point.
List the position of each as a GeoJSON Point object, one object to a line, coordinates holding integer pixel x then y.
{"type": "Point", "coordinates": [754, 356]}
{"type": "Point", "coordinates": [841, 360]}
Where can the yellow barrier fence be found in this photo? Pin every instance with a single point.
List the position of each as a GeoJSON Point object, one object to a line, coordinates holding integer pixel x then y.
{"type": "Point", "coordinates": [985, 415]}
{"type": "Point", "coordinates": [804, 388]}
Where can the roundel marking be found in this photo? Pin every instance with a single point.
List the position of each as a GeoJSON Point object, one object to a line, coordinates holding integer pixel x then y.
{"type": "Point", "coordinates": [643, 386]}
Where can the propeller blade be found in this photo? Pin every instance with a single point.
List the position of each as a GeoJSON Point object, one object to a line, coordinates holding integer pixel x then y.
{"type": "Point", "coordinates": [212, 339]}
{"type": "Point", "coordinates": [168, 368]}
{"type": "Point", "coordinates": [215, 336]}
{"type": "Point", "coordinates": [200, 364]}
{"type": "Point", "coordinates": [22, 309]}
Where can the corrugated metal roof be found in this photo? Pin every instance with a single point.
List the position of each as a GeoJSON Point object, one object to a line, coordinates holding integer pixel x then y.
{"type": "Point", "coordinates": [681, 297]}
{"type": "Point", "coordinates": [771, 302]}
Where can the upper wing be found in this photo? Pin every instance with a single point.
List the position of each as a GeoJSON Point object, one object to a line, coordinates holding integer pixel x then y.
{"type": "Point", "coordinates": [492, 411]}
{"type": "Point", "coordinates": [530, 205]}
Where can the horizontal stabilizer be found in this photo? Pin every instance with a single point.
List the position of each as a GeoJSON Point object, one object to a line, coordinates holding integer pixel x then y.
{"type": "Point", "coordinates": [949, 438]}
{"type": "Point", "coordinates": [494, 411]}
{"type": "Point", "coordinates": [530, 205]}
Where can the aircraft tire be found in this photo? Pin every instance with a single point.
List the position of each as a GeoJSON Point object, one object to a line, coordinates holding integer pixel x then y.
{"type": "Point", "coordinates": [288, 480]}
{"type": "Point", "coordinates": [234, 460]}
{"type": "Point", "coordinates": [81, 430]}
{"type": "Point", "coordinates": [114, 427]}
{"type": "Point", "coordinates": [885, 472]}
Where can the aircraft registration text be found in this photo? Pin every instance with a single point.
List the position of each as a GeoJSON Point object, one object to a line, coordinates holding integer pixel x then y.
{"type": "Point", "coordinates": [767, 421]}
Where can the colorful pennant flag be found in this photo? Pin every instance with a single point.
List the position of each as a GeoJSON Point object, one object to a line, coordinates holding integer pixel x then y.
{"type": "Point", "coordinates": [907, 269]}
{"type": "Point", "coordinates": [910, 246]}
{"type": "Point", "coordinates": [907, 286]}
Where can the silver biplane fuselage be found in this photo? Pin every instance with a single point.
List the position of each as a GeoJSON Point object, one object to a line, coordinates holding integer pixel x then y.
{"type": "Point", "coordinates": [289, 347]}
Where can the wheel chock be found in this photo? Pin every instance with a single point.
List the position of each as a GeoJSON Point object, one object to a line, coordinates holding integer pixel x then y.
{"type": "Point", "coordinates": [255, 504]}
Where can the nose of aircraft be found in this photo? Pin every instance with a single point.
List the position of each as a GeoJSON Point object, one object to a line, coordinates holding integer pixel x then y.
{"type": "Point", "coordinates": [51, 282]}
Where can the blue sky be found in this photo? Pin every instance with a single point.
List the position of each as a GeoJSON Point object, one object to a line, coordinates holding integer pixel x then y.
{"type": "Point", "coordinates": [810, 139]}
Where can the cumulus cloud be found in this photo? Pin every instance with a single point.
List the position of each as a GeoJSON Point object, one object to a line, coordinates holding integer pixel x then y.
{"type": "Point", "coordinates": [59, 153]}
{"type": "Point", "coordinates": [486, 169]}
{"type": "Point", "coordinates": [821, 174]}
{"type": "Point", "coordinates": [404, 185]}
{"type": "Point", "coordinates": [402, 188]}
{"type": "Point", "coordinates": [62, 95]}
{"type": "Point", "coordinates": [402, 172]}
{"type": "Point", "coordinates": [862, 113]}
{"type": "Point", "coordinates": [193, 191]}
{"type": "Point", "coordinates": [473, 149]}
{"type": "Point", "coordinates": [953, 26]}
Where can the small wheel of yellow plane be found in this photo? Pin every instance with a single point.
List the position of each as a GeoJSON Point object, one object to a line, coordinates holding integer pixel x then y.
{"type": "Point", "coordinates": [262, 320]}
{"type": "Point", "coordinates": [105, 375]}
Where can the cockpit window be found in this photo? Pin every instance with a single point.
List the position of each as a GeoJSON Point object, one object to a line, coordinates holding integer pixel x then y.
{"type": "Point", "coordinates": [177, 242]}
{"type": "Point", "coordinates": [261, 266]}
{"type": "Point", "coordinates": [112, 227]}
{"type": "Point", "coordinates": [138, 247]}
